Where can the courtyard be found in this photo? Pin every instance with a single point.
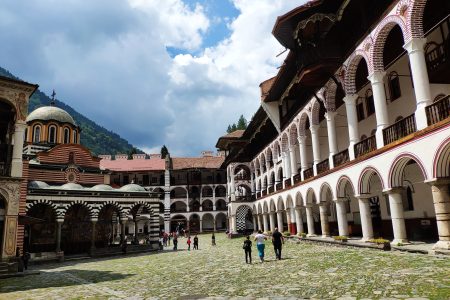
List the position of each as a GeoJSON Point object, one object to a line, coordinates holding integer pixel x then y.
{"type": "Point", "coordinates": [306, 271]}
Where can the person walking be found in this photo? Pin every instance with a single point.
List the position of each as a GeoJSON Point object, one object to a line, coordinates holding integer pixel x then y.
{"type": "Point", "coordinates": [260, 245]}
{"type": "Point", "coordinates": [195, 242]}
{"type": "Point", "coordinates": [213, 240]}
{"type": "Point", "coordinates": [175, 241]}
{"type": "Point", "coordinates": [248, 250]}
{"type": "Point", "coordinates": [189, 243]}
{"type": "Point", "coordinates": [277, 241]}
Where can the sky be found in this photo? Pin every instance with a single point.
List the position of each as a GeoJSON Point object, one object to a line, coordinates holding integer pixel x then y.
{"type": "Point", "coordinates": [172, 72]}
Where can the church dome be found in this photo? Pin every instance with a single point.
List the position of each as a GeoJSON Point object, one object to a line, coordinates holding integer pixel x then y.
{"type": "Point", "coordinates": [47, 113]}
{"type": "Point", "coordinates": [132, 188]}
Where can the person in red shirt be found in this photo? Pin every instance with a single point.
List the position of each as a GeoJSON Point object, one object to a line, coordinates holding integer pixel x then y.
{"type": "Point", "coordinates": [189, 243]}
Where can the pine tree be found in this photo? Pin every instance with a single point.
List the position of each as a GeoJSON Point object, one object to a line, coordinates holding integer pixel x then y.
{"type": "Point", "coordinates": [233, 128]}
{"type": "Point", "coordinates": [229, 130]}
{"type": "Point", "coordinates": [164, 151]}
{"type": "Point", "coordinates": [242, 123]}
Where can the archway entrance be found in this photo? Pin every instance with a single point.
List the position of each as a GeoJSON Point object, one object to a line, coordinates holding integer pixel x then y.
{"type": "Point", "coordinates": [244, 219]}
{"type": "Point", "coordinates": [178, 223]}
{"type": "Point", "coordinates": [107, 228]}
{"type": "Point", "coordinates": [41, 236]}
{"type": "Point", "coordinates": [76, 232]}
{"type": "Point", "coordinates": [194, 224]}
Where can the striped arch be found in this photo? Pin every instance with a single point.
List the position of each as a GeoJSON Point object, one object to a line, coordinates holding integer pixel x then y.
{"type": "Point", "coordinates": [329, 95]}
{"type": "Point", "coordinates": [141, 205]}
{"type": "Point", "coordinates": [350, 74]}
{"type": "Point", "coordinates": [326, 190]}
{"type": "Point", "coordinates": [59, 212]}
{"type": "Point", "coordinates": [415, 18]}
{"type": "Point", "coordinates": [315, 112]}
{"type": "Point", "coordinates": [365, 178]}
{"type": "Point", "coordinates": [396, 172]}
{"type": "Point", "coordinates": [93, 213]}
{"type": "Point", "coordinates": [113, 204]}
{"type": "Point", "coordinates": [302, 124]}
{"type": "Point", "coordinates": [275, 149]}
{"type": "Point", "coordinates": [340, 187]}
{"type": "Point", "coordinates": [293, 133]}
{"type": "Point", "coordinates": [311, 197]}
{"type": "Point", "coordinates": [441, 161]}
{"type": "Point", "coordinates": [269, 155]}
{"type": "Point", "coordinates": [284, 142]}
{"type": "Point", "coordinates": [380, 36]}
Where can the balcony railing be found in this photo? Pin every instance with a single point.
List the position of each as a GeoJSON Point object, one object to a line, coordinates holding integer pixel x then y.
{"type": "Point", "coordinates": [258, 195]}
{"type": "Point", "coordinates": [271, 189]}
{"type": "Point", "coordinates": [242, 177]}
{"type": "Point", "coordinates": [341, 158]}
{"type": "Point", "coordinates": [287, 182]}
{"type": "Point", "coordinates": [323, 166]}
{"type": "Point", "coordinates": [264, 193]}
{"type": "Point", "coordinates": [399, 129]}
{"type": "Point", "coordinates": [365, 146]}
{"type": "Point", "coordinates": [438, 111]}
{"type": "Point", "coordinates": [308, 173]}
{"type": "Point", "coordinates": [279, 186]}
{"type": "Point", "coordinates": [297, 178]}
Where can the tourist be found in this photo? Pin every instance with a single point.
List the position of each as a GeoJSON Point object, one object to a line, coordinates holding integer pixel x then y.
{"type": "Point", "coordinates": [168, 238]}
{"type": "Point", "coordinates": [213, 239]}
{"type": "Point", "coordinates": [161, 243]}
{"type": "Point", "coordinates": [259, 238]}
{"type": "Point", "coordinates": [189, 243]}
{"type": "Point", "coordinates": [195, 242]}
{"type": "Point", "coordinates": [124, 245]}
{"type": "Point", "coordinates": [175, 241]}
{"type": "Point", "coordinates": [248, 250]}
{"type": "Point", "coordinates": [277, 241]}
{"type": "Point", "coordinates": [25, 258]}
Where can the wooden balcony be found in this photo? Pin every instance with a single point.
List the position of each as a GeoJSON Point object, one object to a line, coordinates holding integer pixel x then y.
{"type": "Point", "coordinates": [399, 129]}
{"type": "Point", "coordinates": [287, 182]}
{"type": "Point", "coordinates": [323, 166]}
{"type": "Point", "coordinates": [297, 178]}
{"type": "Point", "coordinates": [279, 186]}
{"type": "Point", "coordinates": [437, 56]}
{"type": "Point", "coordinates": [341, 158]}
{"type": "Point", "coordinates": [308, 173]}
{"type": "Point", "coordinates": [438, 111]}
{"type": "Point", "coordinates": [365, 146]}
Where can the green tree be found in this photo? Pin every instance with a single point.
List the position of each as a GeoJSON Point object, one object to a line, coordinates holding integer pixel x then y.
{"type": "Point", "coordinates": [242, 123]}
{"type": "Point", "coordinates": [164, 151]}
{"type": "Point", "coordinates": [229, 130]}
{"type": "Point", "coordinates": [132, 151]}
{"type": "Point", "coordinates": [233, 128]}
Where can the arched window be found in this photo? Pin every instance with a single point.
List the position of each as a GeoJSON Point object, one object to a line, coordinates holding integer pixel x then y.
{"type": "Point", "coordinates": [394, 86]}
{"type": "Point", "coordinates": [75, 137]}
{"type": "Point", "coordinates": [52, 134]}
{"type": "Point", "coordinates": [71, 158]}
{"type": "Point", "coordinates": [370, 106]}
{"type": "Point", "coordinates": [37, 134]}
{"type": "Point", "coordinates": [66, 135]}
{"type": "Point", "coordinates": [360, 109]}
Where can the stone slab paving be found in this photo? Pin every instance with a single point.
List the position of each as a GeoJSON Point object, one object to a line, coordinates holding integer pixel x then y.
{"type": "Point", "coordinates": [308, 271]}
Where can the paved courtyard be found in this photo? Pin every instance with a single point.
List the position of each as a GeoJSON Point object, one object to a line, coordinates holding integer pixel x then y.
{"type": "Point", "coordinates": [307, 271]}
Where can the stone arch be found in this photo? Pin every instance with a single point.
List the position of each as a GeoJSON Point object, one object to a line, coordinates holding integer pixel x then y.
{"type": "Point", "coordinates": [140, 205]}
{"type": "Point", "coordinates": [276, 146]}
{"type": "Point", "coordinates": [280, 204]}
{"type": "Point", "coordinates": [396, 172]}
{"type": "Point", "coordinates": [207, 191]}
{"type": "Point", "coordinates": [259, 209]}
{"type": "Point", "coordinates": [330, 95]}
{"type": "Point", "coordinates": [272, 205]}
{"type": "Point", "coordinates": [311, 197]}
{"type": "Point", "coordinates": [207, 205]}
{"type": "Point", "coordinates": [289, 202]}
{"type": "Point", "coordinates": [178, 206]}
{"type": "Point", "coordinates": [441, 161]}
{"type": "Point", "coordinates": [244, 218]}
{"type": "Point", "coordinates": [365, 179]}
{"type": "Point", "coordinates": [118, 208]}
{"type": "Point", "coordinates": [340, 187]}
{"type": "Point", "coordinates": [265, 207]}
{"type": "Point", "coordinates": [315, 112]}
{"type": "Point", "coordinates": [58, 212]}
{"type": "Point", "coordinates": [415, 18]}
{"type": "Point", "coordinates": [350, 74]}
{"type": "Point", "coordinates": [221, 221]}
{"type": "Point", "coordinates": [284, 142]}
{"type": "Point", "coordinates": [293, 133]}
{"type": "Point", "coordinates": [269, 156]}
{"type": "Point", "coordinates": [326, 192]}
{"type": "Point", "coordinates": [82, 204]}
{"type": "Point", "coordinates": [175, 194]}
{"type": "Point", "coordinates": [299, 199]}
{"type": "Point", "coordinates": [380, 36]}
{"type": "Point", "coordinates": [302, 124]}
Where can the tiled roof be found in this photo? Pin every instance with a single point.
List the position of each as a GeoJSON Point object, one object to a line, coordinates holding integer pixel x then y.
{"type": "Point", "coordinates": [212, 162]}
{"type": "Point", "coordinates": [265, 87]}
{"type": "Point", "coordinates": [153, 164]}
{"type": "Point", "coordinates": [235, 134]}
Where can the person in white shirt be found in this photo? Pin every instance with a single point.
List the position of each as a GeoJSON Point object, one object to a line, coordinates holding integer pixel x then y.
{"type": "Point", "coordinates": [260, 245]}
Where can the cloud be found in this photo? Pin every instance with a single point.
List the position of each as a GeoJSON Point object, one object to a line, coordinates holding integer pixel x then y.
{"type": "Point", "coordinates": [108, 59]}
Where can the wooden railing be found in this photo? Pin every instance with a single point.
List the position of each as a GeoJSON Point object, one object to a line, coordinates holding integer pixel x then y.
{"type": "Point", "coordinates": [365, 146]}
{"type": "Point", "coordinates": [271, 189]}
{"type": "Point", "coordinates": [438, 111]}
{"type": "Point", "coordinates": [308, 173]}
{"type": "Point", "coordinates": [399, 129]}
{"type": "Point", "coordinates": [341, 158]}
{"type": "Point", "coordinates": [437, 57]}
{"type": "Point", "coordinates": [323, 166]}
{"type": "Point", "coordinates": [279, 186]}
{"type": "Point", "coordinates": [297, 178]}
{"type": "Point", "coordinates": [287, 182]}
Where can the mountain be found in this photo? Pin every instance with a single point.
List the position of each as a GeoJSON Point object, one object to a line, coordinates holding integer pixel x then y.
{"type": "Point", "coordinates": [95, 137]}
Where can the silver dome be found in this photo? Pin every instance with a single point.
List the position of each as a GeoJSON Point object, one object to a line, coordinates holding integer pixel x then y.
{"type": "Point", "coordinates": [132, 188]}
{"type": "Point", "coordinates": [47, 113]}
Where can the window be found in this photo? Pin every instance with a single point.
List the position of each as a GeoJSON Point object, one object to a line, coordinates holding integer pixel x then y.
{"type": "Point", "coordinates": [75, 137]}
{"type": "Point", "coordinates": [369, 102]}
{"type": "Point", "coordinates": [37, 134]}
{"type": "Point", "coordinates": [52, 134]}
{"type": "Point", "coordinates": [145, 179]}
{"type": "Point", "coordinates": [66, 136]}
{"type": "Point", "coordinates": [154, 179]}
{"type": "Point", "coordinates": [360, 110]}
{"type": "Point", "coordinates": [407, 197]}
{"type": "Point", "coordinates": [71, 158]}
{"type": "Point", "coordinates": [394, 86]}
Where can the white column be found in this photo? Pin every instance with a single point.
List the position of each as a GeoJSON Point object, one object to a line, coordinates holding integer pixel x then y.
{"type": "Point", "coordinates": [272, 221]}
{"type": "Point", "coordinates": [232, 188]}
{"type": "Point", "coordinates": [397, 216]}
{"type": "Point", "coordinates": [379, 99]}
{"type": "Point", "coordinates": [366, 218]}
{"type": "Point", "coordinates": [280, 221]}
{"type": "Point", "coordinates": [299, 220]}
{"type": "Point", "coordinates": [352, 120]}
{"type": "Point", "coordinates": [16, 163]}
{"type": "Point", "coordinates": [260, 227]}
{"type": "Point", "coordinates": [255, 223]}
{"type": "Point", "coordinates": [287, 158]}
{"type": "Point", "coordinates": [266, 222]}
{"type": "Point", "coordinates": [293, 161]}
{"type": "Point", "coordinates": [332, 141]}
{"type": "Point", "coordinates": [310, 221]}
{"type": "Point", "coordinates": [341, 213]}
{"type": "Point", "coordinates": [419, 73]}
{"type": "Point", "coordinates": [303, 158]}
{"type": "Point", "coordinates": [233, 224]}
{"type": "Point", "coordinates": [441, 200]}
{"type": "Point", "coordinates": [315, 143]}
{"type": "Point", "coordinates": [324, 225]}
{"type": "Point", "coordinates": [201, 225]}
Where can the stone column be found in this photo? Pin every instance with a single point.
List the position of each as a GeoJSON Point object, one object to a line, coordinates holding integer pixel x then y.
{"type": "Point", "coordinates": [122, 230]}
{"type": "Point", "coordinates": [59, 223]}
{"type": "Point", "coordinates": [441, 201]}
{"type": "Point", "coordinates": [266, 222]}
{"type": "Point", "coordinates": [324, 224]}
{"type": "Point", "coordinates": [136, 240]}
{"type": "Point", "coordinates": [332, 141]}
{"type": "Point", "coordinates": [397, 215]}
{"type": "Point", "coordinates": [352, 120]}
{"type": "Point", "coordinates": [233, 224]}
{"type": "Point", "coordinates": [94, 223]}
{"type": "Point", "coordinates": [16, 163]}
{"type": "Point", "coordinates": [299, 220]}
{"type": "Point", "coordinates": [379, 99]}
{"type": "Point", "coordinates": [303, 158]}
{"type": "Point", "coordinates": [341, 213]}
{"type": "Point", "coordinates": [272, 221]}
{"type": "Point", "coordinates": [310, 220]}
{"type": "Point", "coordinates": [255, 223]}
{"type": "Point", "coordinates": [280, 221]}
{"type": "Point", "coordinates": [289, 221]}
{"type": "Point", "coordinates": [315, 145]}
{"type": "Point", "coordinates": [201, 225]}
{"type": "Point", "coordinates": [260, 222]}
{"type": "Point", "coordinates": [366, 218]}
{"type": "Point", "coordinates": [416, 53]}
{"type": "Point", "coordinates": [293, 161]}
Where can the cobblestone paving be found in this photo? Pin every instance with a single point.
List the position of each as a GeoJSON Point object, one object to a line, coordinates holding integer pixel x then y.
{"type": "Point", "coordinates": [307, 271]}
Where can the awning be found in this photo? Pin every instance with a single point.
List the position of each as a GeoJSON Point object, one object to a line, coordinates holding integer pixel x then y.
{"type": "Point", "coordinates": [27, 220]}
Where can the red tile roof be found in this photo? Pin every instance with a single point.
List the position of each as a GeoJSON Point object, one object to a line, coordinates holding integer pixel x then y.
{"type": "Point", "coordinates": [235, 134]}
{"type": "Point", "coordinates": [153, 164]}
{"type": "Point", "coordinates": [212, 162]}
